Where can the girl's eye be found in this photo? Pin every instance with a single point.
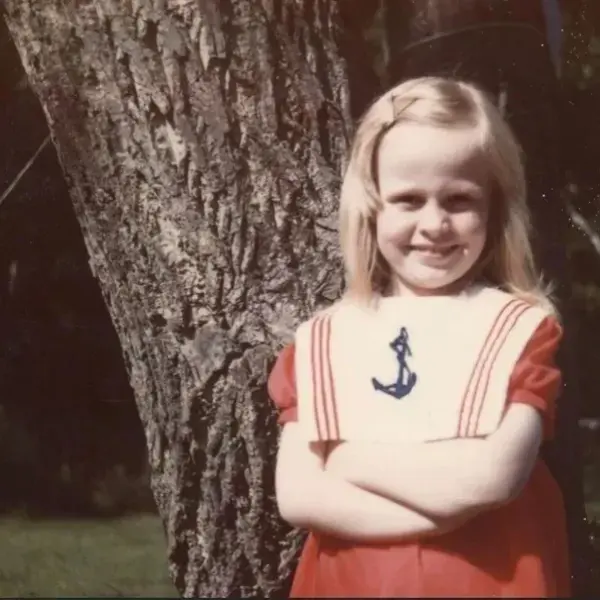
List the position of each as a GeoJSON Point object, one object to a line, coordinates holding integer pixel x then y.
{"type": "Point", "coordinates": [407, 200]}
{"type": "Point", "coordinates": [459, 201]}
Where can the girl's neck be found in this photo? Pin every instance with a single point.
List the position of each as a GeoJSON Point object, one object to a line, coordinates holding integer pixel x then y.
{"type": "Point", "coordinates": [456, 289]}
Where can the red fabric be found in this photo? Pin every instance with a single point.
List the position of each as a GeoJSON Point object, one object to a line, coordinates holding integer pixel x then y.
{"type": "Point", "coordinates": [282, 385]}
{"type": "Point", "coordinates": [536, 380]}
{"type": "Point", "coordinates": [517, 550]}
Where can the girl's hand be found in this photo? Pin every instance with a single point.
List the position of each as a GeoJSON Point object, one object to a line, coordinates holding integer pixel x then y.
{"type": "Point", "coordinates": [344, 460]}
{"type": "Point", "coordinates": [337, 458]}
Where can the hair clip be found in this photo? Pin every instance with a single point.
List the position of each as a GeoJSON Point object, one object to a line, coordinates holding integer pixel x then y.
{"type": "Point", "coordinates": [400, 104]}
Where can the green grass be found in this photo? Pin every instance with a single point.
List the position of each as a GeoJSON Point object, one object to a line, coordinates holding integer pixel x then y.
{"type": "Point", "coordinates": [121, 557]}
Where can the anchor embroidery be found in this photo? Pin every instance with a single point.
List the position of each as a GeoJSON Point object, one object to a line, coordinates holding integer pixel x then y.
{"type": "Point", "coordinates": [406, 379]}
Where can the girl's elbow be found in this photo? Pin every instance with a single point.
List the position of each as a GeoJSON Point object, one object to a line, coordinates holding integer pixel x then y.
{"type": "Point", "coordinates": [295, 505]}
{"type": "Point", "coordinates": [511, 491]}
{"type": "Point", "coordinates": [484, 491]}
{"type": "Point", "coordinates": [495, 482]}
{"type": "Point", "coordinates": [497, 496]}
{"type": "Point", "coordinates": [502, 489]}
{"type": "Point", "coordinates": [293, 511]}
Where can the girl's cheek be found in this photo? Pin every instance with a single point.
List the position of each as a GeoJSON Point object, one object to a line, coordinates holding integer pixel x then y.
{"type": "Point", "coordinates": [398, 232]}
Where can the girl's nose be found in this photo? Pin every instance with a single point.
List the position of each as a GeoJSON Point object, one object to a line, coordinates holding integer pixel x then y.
{"type": "Point", "coordinates": [433, 219]}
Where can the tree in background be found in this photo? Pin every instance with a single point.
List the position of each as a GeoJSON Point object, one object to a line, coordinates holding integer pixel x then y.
{"type": "Point", "coordinates": [202, 144]}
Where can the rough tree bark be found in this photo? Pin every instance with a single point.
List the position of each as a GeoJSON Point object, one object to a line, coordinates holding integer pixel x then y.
{"type": "Point", "coordinates": [202, 142]}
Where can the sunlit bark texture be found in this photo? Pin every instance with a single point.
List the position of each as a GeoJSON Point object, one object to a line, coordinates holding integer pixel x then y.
{"type": "Point", "coordinates": [201, 141]}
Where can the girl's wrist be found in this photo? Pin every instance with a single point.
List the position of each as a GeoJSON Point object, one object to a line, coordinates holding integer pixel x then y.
{"type": "Point", "coordinates": [347, 461]}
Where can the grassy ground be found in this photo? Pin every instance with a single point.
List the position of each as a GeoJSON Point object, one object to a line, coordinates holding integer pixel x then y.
{"type": "Point", "coordinates": [124, 557]}
{"type": "Point", "coordinates": [79, 558]}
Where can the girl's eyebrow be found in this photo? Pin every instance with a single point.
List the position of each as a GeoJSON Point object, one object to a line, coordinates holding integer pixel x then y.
{"type": "Point", "coordinates": [404, 188]}
{"type": "Point", "coordinates": [410, 188]}
{"type": "Point", "coordinates": [399, 194]}
{"type": "Point", "coordinates": [469, 188]}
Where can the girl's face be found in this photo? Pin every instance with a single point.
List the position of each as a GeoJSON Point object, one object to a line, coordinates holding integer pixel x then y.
{"type": "Point", "coordinates": [434, 190]}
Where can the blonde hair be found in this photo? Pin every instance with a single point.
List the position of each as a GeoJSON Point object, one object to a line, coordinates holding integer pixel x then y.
{"type": "Point", "coordinates": [507, 260]}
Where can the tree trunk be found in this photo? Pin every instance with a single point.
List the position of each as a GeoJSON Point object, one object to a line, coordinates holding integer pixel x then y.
{"type": "Point", "coordinates": [202, 143]}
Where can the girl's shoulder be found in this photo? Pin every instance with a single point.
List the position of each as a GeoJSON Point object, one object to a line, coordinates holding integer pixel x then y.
{"type": "Point", "coordinates": [281, 383]}
{"type": "Point", "coordinates": [545, 327]}
{"type": "Point", "coordinates": [539, 305]}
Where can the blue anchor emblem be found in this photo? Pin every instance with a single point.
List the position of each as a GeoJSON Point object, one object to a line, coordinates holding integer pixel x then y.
{"type": "Point", "coordinates": [406, 379]}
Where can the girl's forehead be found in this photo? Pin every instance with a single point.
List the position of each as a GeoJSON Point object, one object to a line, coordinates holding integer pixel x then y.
{"type": "Point", "coordinates": [421, 151]}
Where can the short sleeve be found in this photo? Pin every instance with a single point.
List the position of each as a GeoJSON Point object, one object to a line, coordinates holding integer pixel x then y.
{"type": "Point", "coordinates": [281, 385]}
{"type": "Point", "coordinates": [536, 380]}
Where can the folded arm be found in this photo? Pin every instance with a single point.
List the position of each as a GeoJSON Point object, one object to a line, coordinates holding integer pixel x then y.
{"type": "Point", "coordinates": [310, 497]}
{"type": "Point", "coordinates": [454, 478]}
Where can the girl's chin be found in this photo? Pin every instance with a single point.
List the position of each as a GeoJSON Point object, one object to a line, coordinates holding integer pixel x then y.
{"type": "Point", "coordinates": [432, 286]}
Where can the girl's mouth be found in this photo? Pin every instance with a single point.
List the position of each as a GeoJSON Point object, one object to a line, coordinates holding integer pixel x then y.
{"type": "Point", "coordinates": [435, 251]}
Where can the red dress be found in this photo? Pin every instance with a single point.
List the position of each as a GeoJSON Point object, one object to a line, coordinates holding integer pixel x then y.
{"type": "Point", "coordinates": [517, 550]}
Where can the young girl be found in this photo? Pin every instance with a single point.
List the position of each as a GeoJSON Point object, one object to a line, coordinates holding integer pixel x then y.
{"type": "Point", "coordinates": [414, 408]}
